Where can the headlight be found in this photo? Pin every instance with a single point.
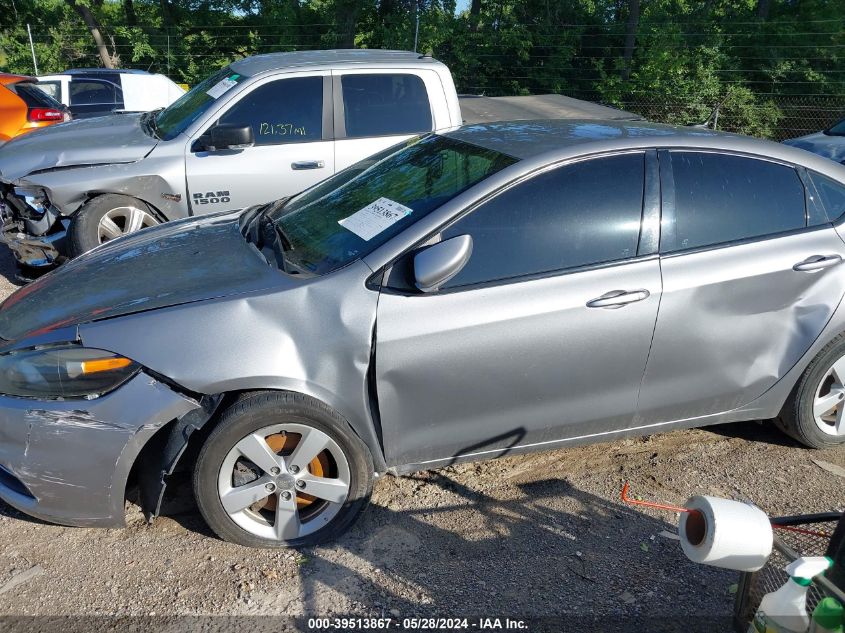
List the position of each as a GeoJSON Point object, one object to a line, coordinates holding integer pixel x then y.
{"type": "Point", "coordinates": [63, 372]}
{"type": "Point", "coordinates": [36, 199]}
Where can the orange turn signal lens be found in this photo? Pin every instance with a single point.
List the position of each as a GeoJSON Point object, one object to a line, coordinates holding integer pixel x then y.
{"type": "Point", "coordinates": [104, 364]}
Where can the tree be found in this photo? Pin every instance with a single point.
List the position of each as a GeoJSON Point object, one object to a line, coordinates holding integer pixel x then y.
{"type": "Point", "coordinates": [96, 32]}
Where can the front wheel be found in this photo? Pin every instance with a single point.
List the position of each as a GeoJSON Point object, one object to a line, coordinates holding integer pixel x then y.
{"type": "Point", "coordinates": [281, 470]}
{"type": "Point", "coordinates": [105, 218]}
{"type": "Point", "coordinates": [815, 413]}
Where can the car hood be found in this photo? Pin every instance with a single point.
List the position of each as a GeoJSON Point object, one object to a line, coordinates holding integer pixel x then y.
{"type": "Point", "coordinates": [175, 263]}
{"type": "Point", "coordinates": [832, 147]}
{"type": "Point", "coordinates": [117, 138]}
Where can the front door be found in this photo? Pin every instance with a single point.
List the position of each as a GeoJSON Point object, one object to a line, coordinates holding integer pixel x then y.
{"type": "Point", "coordinates": [291, 121]}
{"type": "Point", "coordinates": [545, 333]}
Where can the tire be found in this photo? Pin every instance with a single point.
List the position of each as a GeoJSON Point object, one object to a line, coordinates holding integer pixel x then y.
{"type": "Point", "coordinates": [128, 215]}
{"type": "Point", "coordinates": [284, 420]}
{"type": "Point", "coordinates": [820, 383]}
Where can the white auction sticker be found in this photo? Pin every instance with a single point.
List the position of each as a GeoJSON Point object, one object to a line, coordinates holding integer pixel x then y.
{"type": "Point", "coordinates": [222, 86]}
{"type": "Point", "coordinates": [375, 218]}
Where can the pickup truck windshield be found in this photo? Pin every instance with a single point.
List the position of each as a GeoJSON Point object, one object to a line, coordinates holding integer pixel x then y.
{"type": "Point", "coordinates": [176, 117]}
{"type": "Point", "coordinates": [365, 205]}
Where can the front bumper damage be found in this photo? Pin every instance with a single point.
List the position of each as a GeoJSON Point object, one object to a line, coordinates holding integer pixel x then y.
{"type": "Point", "coordinates": [68, 461]}
{"type": "Point", "coordinates": [36, 240]}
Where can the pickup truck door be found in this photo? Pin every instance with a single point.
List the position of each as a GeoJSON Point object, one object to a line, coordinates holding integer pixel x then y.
{"type": "Point", "coordinates": [291, 119]}
{"type": "Point", "coordinates": [377, 108]}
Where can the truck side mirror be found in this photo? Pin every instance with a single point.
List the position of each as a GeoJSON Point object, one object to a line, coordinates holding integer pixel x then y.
{"type": "Point", "coordinates": [435, 265]}
{"type": "Point", "coordinates": [229, 136]}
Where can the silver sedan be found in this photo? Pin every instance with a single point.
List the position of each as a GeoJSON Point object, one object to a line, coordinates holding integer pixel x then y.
{"type": "Point", "coordinates": [492, 290]}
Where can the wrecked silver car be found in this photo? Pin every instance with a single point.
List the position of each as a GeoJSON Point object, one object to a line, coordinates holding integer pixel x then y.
{"type": "Point", "coordinates": [492, 290]}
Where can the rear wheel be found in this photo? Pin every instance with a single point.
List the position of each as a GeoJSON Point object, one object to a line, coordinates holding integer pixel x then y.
{"type": "Point", "coordinates": [105, 218]}
{"type": "Point", "coordinates": [281, 470]}
{"type": "Point", "coordinates": [815, 413]}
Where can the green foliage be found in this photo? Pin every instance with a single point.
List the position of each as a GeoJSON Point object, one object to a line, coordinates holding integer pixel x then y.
{"type": "Point", "coordinates": [761, 67]}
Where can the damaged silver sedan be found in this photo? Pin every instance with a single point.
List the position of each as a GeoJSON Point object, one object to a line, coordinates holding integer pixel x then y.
{"type": "Point", "coordinates": [492, 290]}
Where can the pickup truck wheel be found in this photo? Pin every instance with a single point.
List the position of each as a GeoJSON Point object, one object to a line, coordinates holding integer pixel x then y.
{"type": "Point", "coordinates": [106, 217]}
{"type": "Point", "coordinates": [281, 470]}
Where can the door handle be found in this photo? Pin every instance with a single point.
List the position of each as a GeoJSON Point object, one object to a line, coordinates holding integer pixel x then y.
{"type": "Point", "coordinates": [308, 164]}
{"type": "Point", "coordinates": [817, 262]}
{"type": "Point", "coordinates": [618, 298]}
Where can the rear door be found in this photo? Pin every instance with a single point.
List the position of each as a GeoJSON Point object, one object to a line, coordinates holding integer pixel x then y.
{"type": "Point", "coordinates": [751, 275]}
{"type": "Point", "coordinates": [291, 120]}
{"type": "Point", "coordinates": [545, 333]}
{"type": "Point", "coordinates": [375, 109]}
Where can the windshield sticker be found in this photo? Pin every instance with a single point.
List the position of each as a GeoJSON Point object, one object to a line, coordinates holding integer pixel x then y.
{"type": "Point", "coordinates": [222, 86]}
{"type": "Point", "coordinates": [375, 218]}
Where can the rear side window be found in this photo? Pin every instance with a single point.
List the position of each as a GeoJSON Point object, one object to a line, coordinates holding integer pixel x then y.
{"type": "Point", "coordinates": [576, 215]}
{"type": "Point", "coordinates": [384, 105]}
{"type": "Point", "coordinates": [282, 111]}
{"type": "Point", "coordinates": [91, 92]}
{"type": "Point", "coordinates": [832, 194]}
{"type": "Point", "coordinates": [721, 198]}
{"type": "Point", "coordinates": [33, 96]}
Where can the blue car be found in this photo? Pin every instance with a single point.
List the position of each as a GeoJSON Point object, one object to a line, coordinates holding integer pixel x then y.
{"type": "Point", "coordinates": [829, 143]}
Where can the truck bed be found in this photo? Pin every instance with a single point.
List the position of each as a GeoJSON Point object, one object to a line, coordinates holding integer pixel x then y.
{"type": "Point", "coordinates": [477, 109]}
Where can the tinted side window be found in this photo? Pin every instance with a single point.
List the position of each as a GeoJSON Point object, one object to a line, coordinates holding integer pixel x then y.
{"type": "Point", "coordinates": [381, 105]}
{"type": "Point", "coordinates": [283, 111]}
{"type": "Point", "coordinates": [832, 194]}
{"type": "Point", "coordinates": [94, 93]}
{"type": "Point", "coordinates": [721, 198]}
{"type": "Point", "coordinates": [575, 215]}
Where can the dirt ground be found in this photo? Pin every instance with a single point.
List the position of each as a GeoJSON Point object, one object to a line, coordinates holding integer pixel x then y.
{"type": "Point", "coordinates": [535, 535]}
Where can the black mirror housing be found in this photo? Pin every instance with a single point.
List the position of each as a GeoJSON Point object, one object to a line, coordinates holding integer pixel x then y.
{"type": "Point", "coordinates": [230, 136]}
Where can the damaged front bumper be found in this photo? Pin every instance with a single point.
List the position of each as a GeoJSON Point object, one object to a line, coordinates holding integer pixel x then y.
{"type": "Point", "coordinates": [36, 240]}
{"type": "Point", "coordinates": [68, 461]}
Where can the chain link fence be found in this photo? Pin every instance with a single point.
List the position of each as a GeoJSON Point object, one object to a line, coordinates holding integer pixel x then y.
{"type": "Point", "coordinates": [782, 117]}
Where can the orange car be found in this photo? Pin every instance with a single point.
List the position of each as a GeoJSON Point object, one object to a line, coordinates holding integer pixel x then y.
{"type": "Point", "coordinates": [24, 107]}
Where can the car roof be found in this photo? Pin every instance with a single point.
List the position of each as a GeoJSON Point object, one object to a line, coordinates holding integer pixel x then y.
{"type": "Point", "coordinates": [257, 64]}
{"type": "Point", "coordinates": [10, 78]}
{"type": "Point", "coordinates": [565, 138]}
{"type": "Point", "coordinates": [103, 71]}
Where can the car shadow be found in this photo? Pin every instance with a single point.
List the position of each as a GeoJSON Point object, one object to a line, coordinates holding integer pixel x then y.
{"type": "Point", "coordinates": [545, 550]}
{"type": "Point", "coordinates": [764, 431]}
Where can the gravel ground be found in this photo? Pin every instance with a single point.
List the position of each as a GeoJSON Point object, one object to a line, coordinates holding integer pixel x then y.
{"type": "Point", "coordinates": [534, 535]}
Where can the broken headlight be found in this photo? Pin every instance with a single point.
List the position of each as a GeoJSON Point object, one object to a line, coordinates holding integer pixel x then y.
{"type": "Point", "coordinates": [35, 198]}
{"type": "Point", "coordinates": [68, 371]}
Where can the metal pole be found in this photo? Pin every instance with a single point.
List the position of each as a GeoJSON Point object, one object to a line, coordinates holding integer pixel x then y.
{"type": "Point", "coordinates": [168, 53]}
{"type": "Point", "coordinates": [32, 48]}
{"type": "Point", "coordinates": [417, 29]}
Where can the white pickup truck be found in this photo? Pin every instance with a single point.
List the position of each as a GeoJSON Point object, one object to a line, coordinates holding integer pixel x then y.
{"type": "Point", "coordinates": [262, 128]}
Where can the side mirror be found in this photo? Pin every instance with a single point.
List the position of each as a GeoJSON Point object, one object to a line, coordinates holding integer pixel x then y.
{"type": "Point", "coordinates": [435, 265]}
{"type": "Point", "coordinates": [230, 136]}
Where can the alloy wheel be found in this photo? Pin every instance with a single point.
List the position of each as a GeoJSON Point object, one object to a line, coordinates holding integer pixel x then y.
{"type": "Point", "coordinates": [284, 481]}
{"type": "Point", "coordinates": [829, 401]}
{"type": "Point", "coordinates": [122, 220]}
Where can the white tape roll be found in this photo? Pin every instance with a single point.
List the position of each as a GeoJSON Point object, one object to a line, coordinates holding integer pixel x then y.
{"type": "Point", "coordinates": [725, 533]}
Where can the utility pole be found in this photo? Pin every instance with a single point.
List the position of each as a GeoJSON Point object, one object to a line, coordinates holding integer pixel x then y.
{"type": "Point", "coordinates": [32, 48]}
{"type": "Point", "coordinates": [417, 19]}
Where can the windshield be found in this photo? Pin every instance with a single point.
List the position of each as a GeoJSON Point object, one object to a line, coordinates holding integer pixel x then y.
{"type": "Point", "coordinates": [176, 117]}
{"type": "Point", "coordinates": [362, 207]}
{"type": "Point", "coordinates": [837, 130]}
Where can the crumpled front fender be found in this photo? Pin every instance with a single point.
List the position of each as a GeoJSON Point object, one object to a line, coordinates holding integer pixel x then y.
{"type": "Point", "coordinates": [68, 461]}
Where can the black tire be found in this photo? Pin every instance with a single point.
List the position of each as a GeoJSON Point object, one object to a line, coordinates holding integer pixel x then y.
{"type": "Point", "coordinates": [83, 233]}
{"type": "Point", "coordinates": [259, 410]}
{"type": "Point", "coordinates": [796, 418]}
